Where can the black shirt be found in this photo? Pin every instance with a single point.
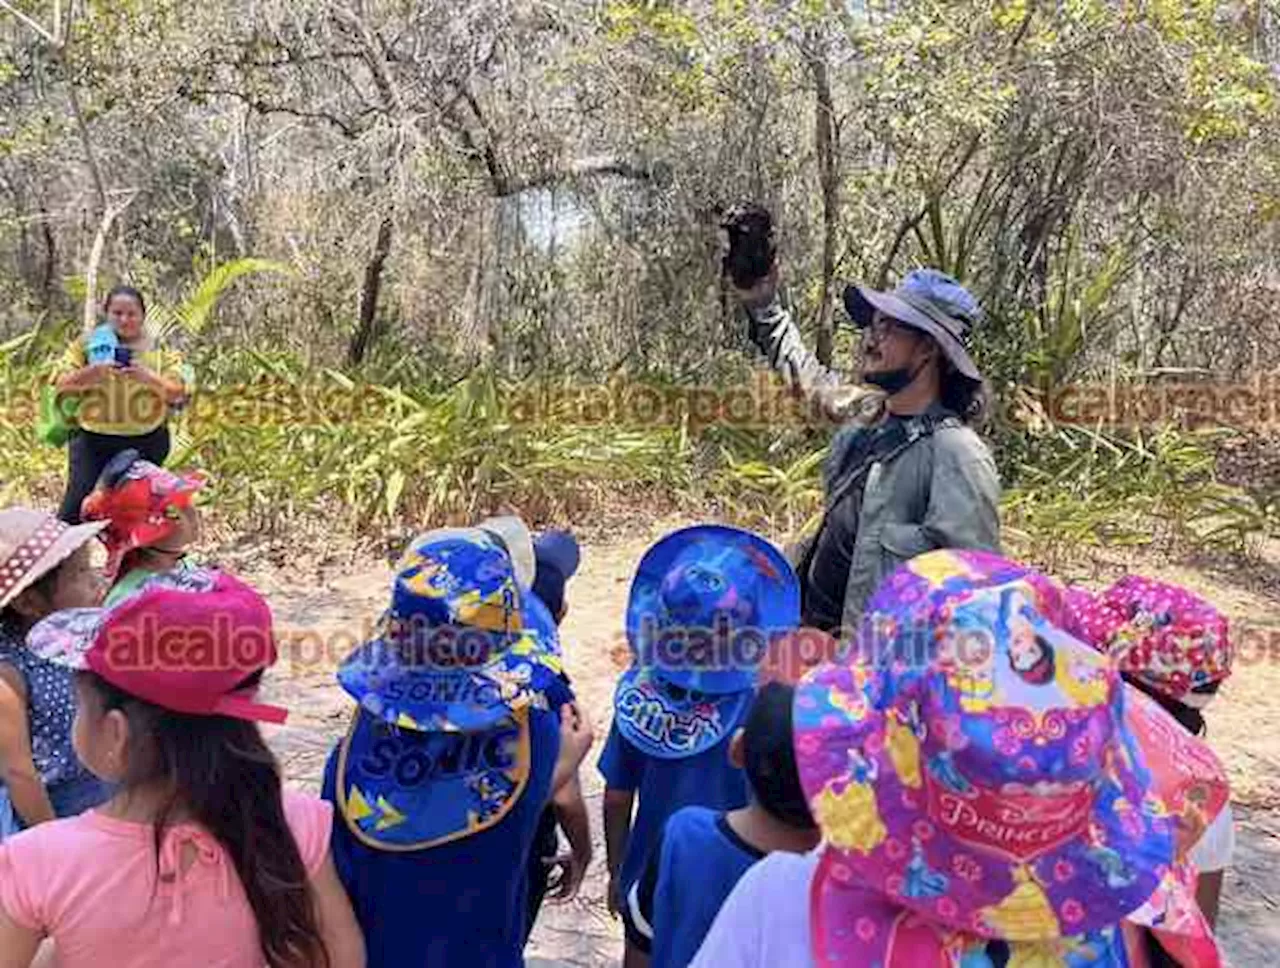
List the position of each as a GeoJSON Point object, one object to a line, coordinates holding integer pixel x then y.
{"type": "Point", "coordinates": [827, 578]}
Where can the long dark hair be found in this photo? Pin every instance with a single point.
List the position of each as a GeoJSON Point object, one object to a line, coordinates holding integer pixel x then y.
{"type": "Point", "coordinates": [966, 398]}
{"type": "Point", "coordinates": [222, 774]}
{"type": "Point", "coordinates": [124, 291]}
{"type": "Point", "coordinates": [1188, 717]}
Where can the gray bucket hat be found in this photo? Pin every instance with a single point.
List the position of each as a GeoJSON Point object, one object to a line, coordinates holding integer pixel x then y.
{"type": "Point", "coordinates": [930, 301]}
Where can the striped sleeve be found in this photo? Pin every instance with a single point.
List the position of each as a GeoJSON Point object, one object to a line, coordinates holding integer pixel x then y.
{"type": "Point", "coordinates": [774, 331]}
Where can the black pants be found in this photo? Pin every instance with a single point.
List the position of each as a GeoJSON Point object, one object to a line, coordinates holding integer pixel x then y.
{"type": "Point", "coordinates": [88, 454]}
{"type": "Point", "coordinates": [546, 843]}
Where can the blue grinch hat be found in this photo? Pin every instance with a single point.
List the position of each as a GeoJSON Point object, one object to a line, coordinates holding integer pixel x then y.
{"type": "Point", "coordinates": [459, 649]}
{"type": "Point", "coordinates": [705, 604]}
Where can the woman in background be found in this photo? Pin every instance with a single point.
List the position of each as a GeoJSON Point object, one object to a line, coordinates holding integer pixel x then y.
{"type": "Point", "coordinates": [126, 386]}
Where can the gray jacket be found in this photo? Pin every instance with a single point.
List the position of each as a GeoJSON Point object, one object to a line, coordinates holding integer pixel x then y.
{"type": "Point", "coordinates": [941, 490]}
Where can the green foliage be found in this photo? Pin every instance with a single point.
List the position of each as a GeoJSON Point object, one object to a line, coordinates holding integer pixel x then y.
{"type": "Point", "coordinates": [288, 445]}
{"type": "Point", "coordinates": [193, 313]}
{"type": "Point", "coordinates": [1080, 486]}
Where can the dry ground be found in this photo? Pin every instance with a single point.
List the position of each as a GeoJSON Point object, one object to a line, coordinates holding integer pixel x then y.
{"type": "Point", "coordinates": [337, 601]}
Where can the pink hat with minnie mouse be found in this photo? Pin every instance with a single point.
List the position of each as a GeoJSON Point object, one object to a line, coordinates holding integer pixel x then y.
{"type": "Point", "coordinates": [1162, 636]}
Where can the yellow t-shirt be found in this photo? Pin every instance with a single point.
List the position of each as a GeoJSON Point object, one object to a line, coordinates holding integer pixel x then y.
{"type": "Point", "coordinates": [121, 405]}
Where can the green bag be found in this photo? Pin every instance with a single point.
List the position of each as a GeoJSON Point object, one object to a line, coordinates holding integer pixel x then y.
{"type": "Point", "coordinates": [57, 417]}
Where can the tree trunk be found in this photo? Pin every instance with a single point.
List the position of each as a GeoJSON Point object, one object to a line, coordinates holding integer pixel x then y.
{"type": "Point", "coordinates": [49, 275]}
{"type": "Point", "coordinates": [366, 330]}
{"type": "Point", "coordinates": [824, 140]}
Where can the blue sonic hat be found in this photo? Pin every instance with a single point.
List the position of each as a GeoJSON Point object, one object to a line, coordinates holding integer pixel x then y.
{"type": "Point", "coordinates": [706, 604]}
{"type": "Point", "coordinates": [457, 651]}
{"type": "Point", "coordinates": [440, 746]}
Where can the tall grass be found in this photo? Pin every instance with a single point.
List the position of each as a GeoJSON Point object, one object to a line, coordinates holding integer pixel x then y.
{"type": "Point", "coordinates": [288, 446]}
{"type": "Point", "coordinates": [380, 451]}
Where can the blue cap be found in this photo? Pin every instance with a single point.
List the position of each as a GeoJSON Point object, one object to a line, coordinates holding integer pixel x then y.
{"type": "Point", "coordinates": [557, 557]}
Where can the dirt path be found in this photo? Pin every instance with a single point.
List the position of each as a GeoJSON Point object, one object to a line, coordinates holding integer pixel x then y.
{"type": "Point", "coordinates": [336, 607]}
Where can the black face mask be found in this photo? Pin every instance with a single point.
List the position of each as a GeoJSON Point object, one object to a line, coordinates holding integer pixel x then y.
{"type": "Point", "coordinates": [893, 381]}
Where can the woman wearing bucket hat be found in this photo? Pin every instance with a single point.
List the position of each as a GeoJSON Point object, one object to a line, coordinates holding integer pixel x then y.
{"type": "Point", "coordinates": [972, 816]}
{"type": "Point", "coordinates": [463, 729]}
{"type": "Point", "coordinates": [1175, 647]}
{"type": "Point", "coordinates": [907, 473]}
{"type": "Point", "coordinates": [44, 567]}
{"type": "Point", "coordinates": [705, 604]}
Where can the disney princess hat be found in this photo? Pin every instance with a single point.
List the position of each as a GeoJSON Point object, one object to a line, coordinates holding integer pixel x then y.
{"type": "Point", "coordinates": [1164, 637]}
{"type": "Point", "coordinates": [992, 786]}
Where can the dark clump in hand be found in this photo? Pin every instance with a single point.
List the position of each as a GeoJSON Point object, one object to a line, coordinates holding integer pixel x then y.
{"type": "Point", "coordinates": [751, 244]}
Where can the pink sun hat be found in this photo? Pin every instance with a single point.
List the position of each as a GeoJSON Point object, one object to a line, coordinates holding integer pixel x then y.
{"type": "Point", "coordinates": [974, 770]}
{"type": "Point", "coordinates": [1163, 636]}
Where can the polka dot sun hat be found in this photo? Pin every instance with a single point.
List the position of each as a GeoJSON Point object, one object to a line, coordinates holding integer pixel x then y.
{"type": "Point", "coordinates": [32, 544]}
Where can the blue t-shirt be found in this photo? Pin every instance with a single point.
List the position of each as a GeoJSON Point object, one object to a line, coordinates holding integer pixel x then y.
{"type": "Point", "coordinates": [462, 904]}
{"type": "Point", "coordinates": [705, 780]}
{"type": "Point", "coordinates": [694, 866]}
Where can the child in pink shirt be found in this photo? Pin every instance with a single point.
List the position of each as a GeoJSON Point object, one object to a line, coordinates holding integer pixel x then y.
{"type": "Point", "coordinates": [200, 857]}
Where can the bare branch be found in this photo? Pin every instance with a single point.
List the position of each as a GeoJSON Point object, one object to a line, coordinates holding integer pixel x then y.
{"type": "Point", "coordinates": [34, 25]}
{"type": "Point", "coordinates": [109, 215]}
{"type": "Point", "coordinates": [91, 157]}
{"type": "Point", "coordinates": [349, 130]}
{"type": "Point", "coordinates": [592, 167]}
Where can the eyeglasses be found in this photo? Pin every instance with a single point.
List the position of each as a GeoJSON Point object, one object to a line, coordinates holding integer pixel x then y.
{"type": "Point", "coordinates": [883, 327]}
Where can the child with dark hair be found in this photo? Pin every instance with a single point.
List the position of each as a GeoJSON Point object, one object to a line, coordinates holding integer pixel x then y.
{"type": "Point", "coordinates": [702, 853]}
{"type": "Point", "coordinates": [44, 567]}
{"type": "Point", "coordinates": [200, 857]}
{"type": "Point", "coordinates": [951, 837]}
{"type": "Point", "coordinates": [464, 728]}
{"type": "Point", "coordinates": [556, 559]}
{"type": "Point", "coordinates": [706, 603]}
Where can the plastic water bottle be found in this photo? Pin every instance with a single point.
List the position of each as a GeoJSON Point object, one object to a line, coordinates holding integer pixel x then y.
{"type": "Point", "coordinates": [102, 345]}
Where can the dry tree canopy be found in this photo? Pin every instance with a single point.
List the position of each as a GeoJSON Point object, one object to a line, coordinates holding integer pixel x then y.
{"type": "Point", "coordinates": [536, 184]}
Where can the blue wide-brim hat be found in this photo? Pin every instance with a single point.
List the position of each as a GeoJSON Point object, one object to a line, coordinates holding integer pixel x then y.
{"type": "Point", "coordinates": [930, 301]}
{"type": "Point", "coordinates": [459, 649]}
{"type": "Point", "coordinates": [705, 604]}
{"type": "Point", "coordinates": [670, 723]}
